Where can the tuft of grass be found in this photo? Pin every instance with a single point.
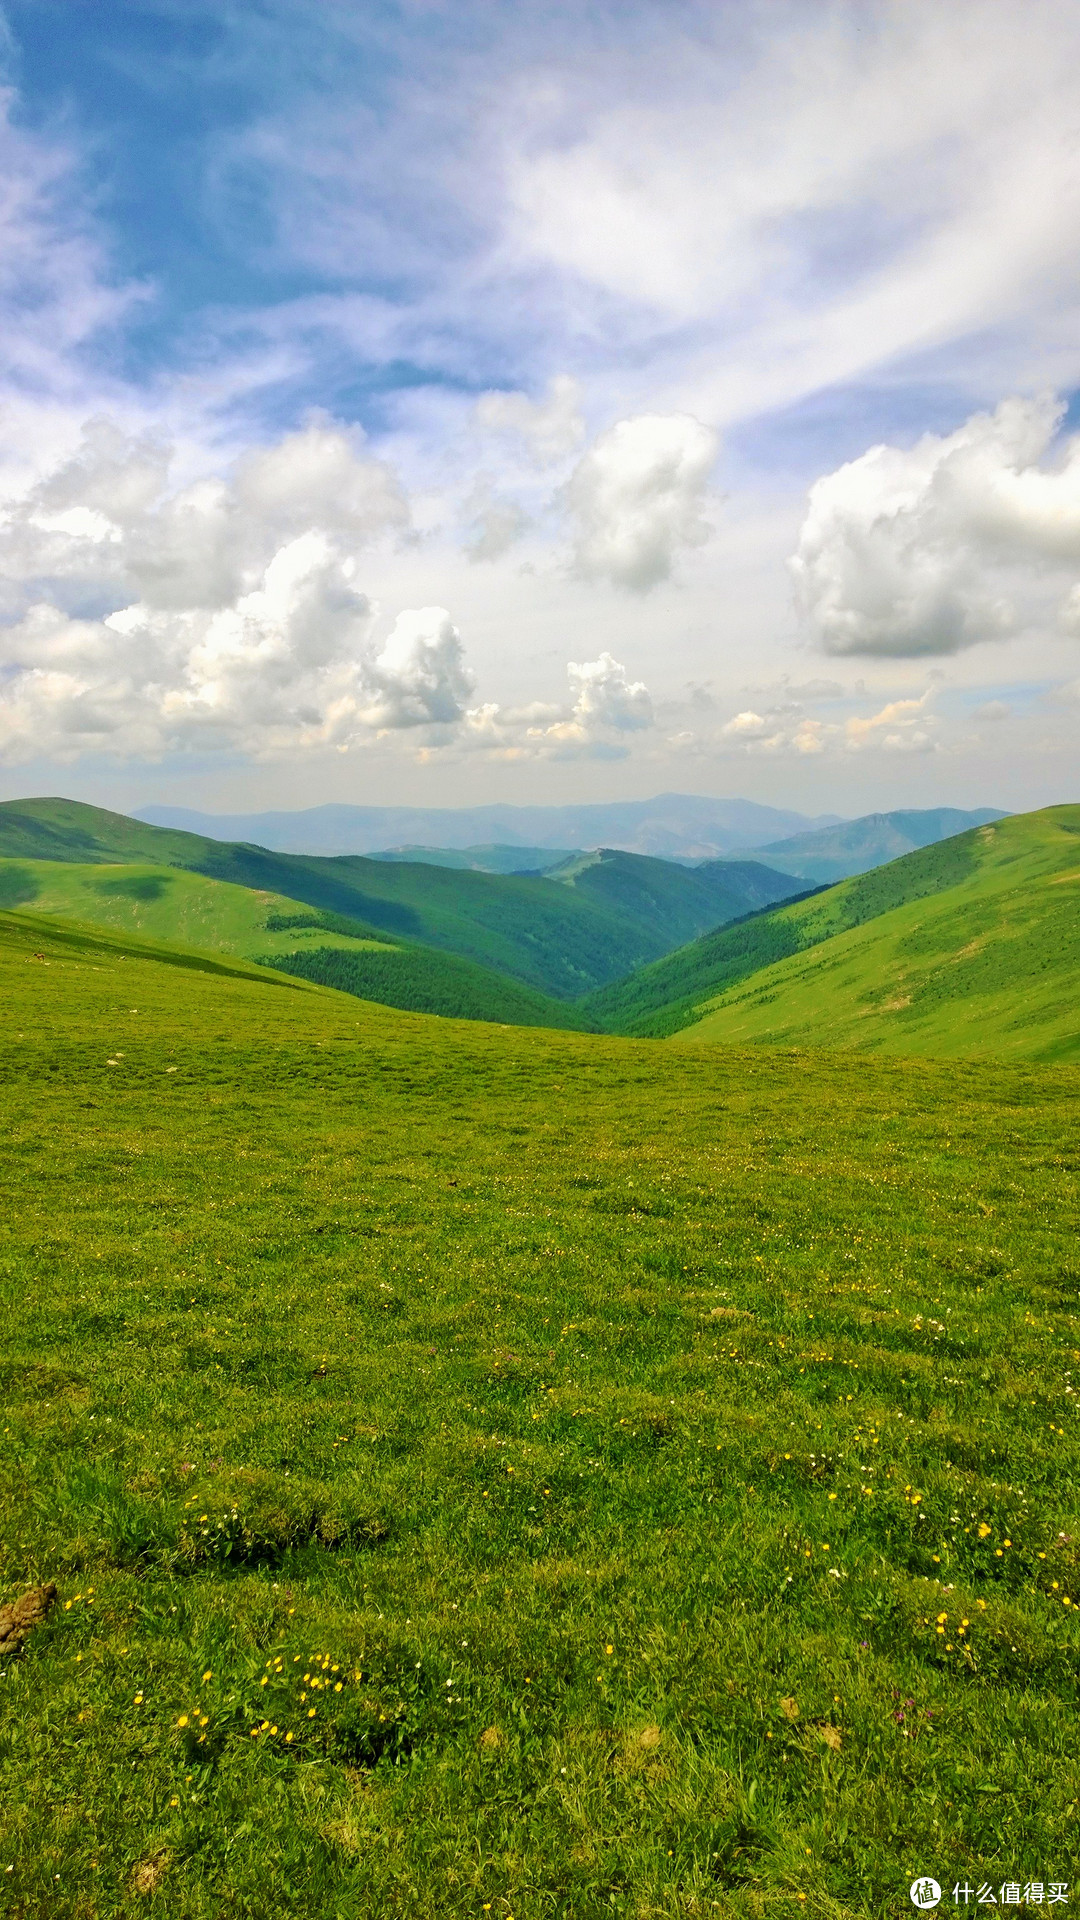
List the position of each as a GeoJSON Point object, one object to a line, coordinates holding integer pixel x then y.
{"type": "Point", "coordinates": [522, 1472]}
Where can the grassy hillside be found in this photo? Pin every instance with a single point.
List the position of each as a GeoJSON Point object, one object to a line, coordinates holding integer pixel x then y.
{"type": "Point", "coordinates": [992, 966]}
{"type": "Point", "coordinates": [672, 903]}
{"type": "Point", "coordinates": [854, 846]}
{"type": "Point", "coordinates": [176, 906]}
{"type": "Point", "coordinates": [522, 1473]}
{"type": "Point", "coordinates": [1024, 849]}
{"type": "Point", "coordinates": [554, 939]}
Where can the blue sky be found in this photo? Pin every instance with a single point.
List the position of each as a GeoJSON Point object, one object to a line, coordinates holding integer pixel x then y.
{"type": "Point", "coordinates": [463, 401]}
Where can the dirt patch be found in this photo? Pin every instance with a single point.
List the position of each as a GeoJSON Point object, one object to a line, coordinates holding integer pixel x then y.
{"type": "Point", "coordinates": [17, 1621]}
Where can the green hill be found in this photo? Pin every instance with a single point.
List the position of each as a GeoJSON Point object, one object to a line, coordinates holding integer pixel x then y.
{"type": "Point", "coordinates": [970, 946]}
{"type": "Point", "coordinates": [505, 1472]}
{"type": "Point", "coordinates": [176, 906]}
{"type": "Point", "coordinates": [558, 940]}
{"type": "Point", "coordinates": [672, 903]}
{"type": "Point", "coordinates": [854, 846]}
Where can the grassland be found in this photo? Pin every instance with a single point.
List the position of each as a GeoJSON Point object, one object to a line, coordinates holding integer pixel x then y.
{"type": "Point", "coordinates": [969, 946]}
{"type": "Point", "coordinates": [670, 1454]}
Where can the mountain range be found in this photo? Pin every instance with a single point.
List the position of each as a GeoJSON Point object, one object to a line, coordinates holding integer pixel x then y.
{"type": "Point", "coordinates": [671, 826]}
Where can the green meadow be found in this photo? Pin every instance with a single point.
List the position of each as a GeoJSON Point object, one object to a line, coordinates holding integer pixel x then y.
{"type": "Point", "coordinates": [965, 948]}
{"type": "Point", "coordinates": [523, 1473]}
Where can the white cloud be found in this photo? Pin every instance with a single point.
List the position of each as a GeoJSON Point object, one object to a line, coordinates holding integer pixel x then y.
{"type": "Point", "coordinates": [958, 539]}
{"type": "Point", "coordinates": [419, 678]}
{"type": "Point", "coordinates": [236, 616]}
{"type": "Point", "coordinates": [550, 428]}
{"type": "Point", "coordinates": [636, 498]}
{"type": "Point", "coordinates": [902, 725]}
{"type": "Point", "coordinates": [606, 705]}
{"type": "Point", "coordinates": [604, 697]}
{"type": "Point", "coordinates": [496, 523]}
{"type": "Point", "coordinates": [797, 196]}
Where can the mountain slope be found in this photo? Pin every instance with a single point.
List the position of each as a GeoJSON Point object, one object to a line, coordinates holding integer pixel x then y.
{"type": "Point", "coordinates": [555, 939]}
{"type": "Point", "coordinates": [671, 825]}
{"type": "Point", "coordinates": [990, 967]}
{"type": "Point", "coordinates": [184, 909]}
{"type": "Point", "coordinates": [854, 846]}
{"type": "Point", "coordinates": [972, 945]}
{"type": "Point", "coordinates": [674, 903]}
{"type": "Point", "coordinates": [323, 1323]}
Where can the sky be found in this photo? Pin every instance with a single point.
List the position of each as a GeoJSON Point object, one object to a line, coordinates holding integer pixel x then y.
{"type": "Point", "coordinates": [448, 401]}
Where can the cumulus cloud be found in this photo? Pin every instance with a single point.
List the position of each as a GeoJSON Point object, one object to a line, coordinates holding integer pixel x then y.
{"type": "Point", "coordinates": [774, 732]}
{"type": "Point", "coordinates": [960, 538]}
{"type": "Point", "coordinates": [229, 612]}
{"type": "Point", "coordinates": [606, 698]}
{"type": "Point", "coordinates": [419, 678]}
{"type": "Point", "coordinates": [635, 498]}
{"type": "Point", "coordinates": [549, 428]}
{"type": "Point", "coordinates": [606, 705]}
{"type": "Point", "coordinates": [903, 725]}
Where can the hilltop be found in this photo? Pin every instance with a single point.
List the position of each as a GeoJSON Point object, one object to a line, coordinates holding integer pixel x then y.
{"type": "Point", "coordinates": [967, 946]}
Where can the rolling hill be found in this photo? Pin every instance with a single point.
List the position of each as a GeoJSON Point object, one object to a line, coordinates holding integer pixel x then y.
{"type": "Point", "coordinates": [558, 940]}
{"type": "Point", "coordinates": [488, 859]}
{"type": "Point", "coordinates": [969, 946]}
{"type": "Point", "coordinates": [176, 907]}
{"type": "Point", "coordinates": [854, 846]}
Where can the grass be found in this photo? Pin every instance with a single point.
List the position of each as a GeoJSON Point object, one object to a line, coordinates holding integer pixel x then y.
{"type": "Point", "coordinates": [615, 1425]}
{"type": "Point", "coordinates": [967, 946]}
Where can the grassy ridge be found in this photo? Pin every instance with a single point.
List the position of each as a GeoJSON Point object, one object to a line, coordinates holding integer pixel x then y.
{"type": "Point", "coordinates": [992, 968]}
{"type": "Point", "coordinates": [173, 905]}
{"type": "Point", "coordinates": [1025, 850]}
{"type": "Point", "coordinates": [615, 1426]}
{"type": "Point", "coordinates": [673, 903]}
{"type": "Point", "coordinates": [558, 940]}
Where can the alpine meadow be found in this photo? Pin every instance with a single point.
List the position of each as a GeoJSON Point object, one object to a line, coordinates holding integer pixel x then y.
{"type": "Point", "coordinates": [491, 1469]}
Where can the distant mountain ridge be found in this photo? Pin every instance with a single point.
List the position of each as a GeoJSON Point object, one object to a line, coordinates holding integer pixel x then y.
{"type": "Point", "coordinates": [849, 847]}
{"type": "Point", "coordinates": [671, 826]}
